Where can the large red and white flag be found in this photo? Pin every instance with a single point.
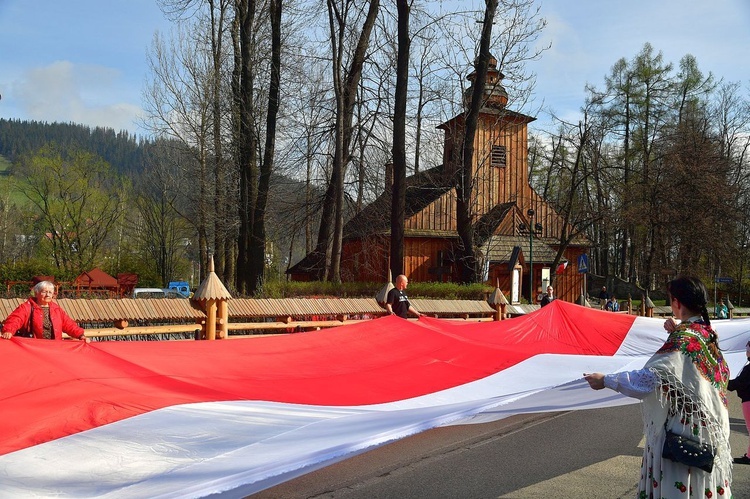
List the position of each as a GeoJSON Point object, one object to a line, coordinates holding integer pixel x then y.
{"type": "Point", "coordinates": [189, 419]}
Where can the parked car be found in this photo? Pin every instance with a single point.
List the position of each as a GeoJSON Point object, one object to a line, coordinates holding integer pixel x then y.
{"type": "Point", "coordinates": [182, 287]}
{"type": "Point", "coordinates": [156, 293]}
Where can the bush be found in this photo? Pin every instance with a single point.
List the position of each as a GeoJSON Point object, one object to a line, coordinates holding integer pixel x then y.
{"type": "Point", "coordinates": [318, 289]}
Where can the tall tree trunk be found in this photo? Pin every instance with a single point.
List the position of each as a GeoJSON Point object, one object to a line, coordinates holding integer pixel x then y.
{"type": "Point", "coordinates": [628, 227]}
{"type": "Point", "coordinates": [398, 196]}
{"type": "Point", "coordinates": [203, 206]}
{"type": "Point", "coordinates": [220, 212]}
{"type": "Point", "coordinates": [246, 143]}
{"type": "Point", "coordinates": [258, 247]}
{"type": "Point", "coordinates": [330, 235]}
{"type": "Point", "coordinates": [469, 270]}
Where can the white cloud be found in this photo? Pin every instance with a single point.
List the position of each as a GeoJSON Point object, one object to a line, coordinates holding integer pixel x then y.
{"type": "Point", "coordinates": [67, 92]}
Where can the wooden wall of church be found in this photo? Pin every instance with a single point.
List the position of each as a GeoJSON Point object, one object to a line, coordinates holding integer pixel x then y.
{"type": "Point", "coordinates": [368, 259]}
{"type": "Point", "coordinates": [569, 284]}
{"type": "Point", "coordinates": [422, 259]}
{"type": "Point", "coordinates": [496, 184]}
{"type": "Point", "coordinates": [365, 259]}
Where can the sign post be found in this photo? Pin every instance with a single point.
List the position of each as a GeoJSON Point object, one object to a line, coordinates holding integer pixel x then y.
{"type": "Point", "coordinates": [583, 268]}
{"type": "Point", "coordinates": [720, 280]}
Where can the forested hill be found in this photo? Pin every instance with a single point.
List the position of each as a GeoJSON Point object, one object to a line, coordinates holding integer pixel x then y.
{"type": "Point", "coordinates": [120, 149]}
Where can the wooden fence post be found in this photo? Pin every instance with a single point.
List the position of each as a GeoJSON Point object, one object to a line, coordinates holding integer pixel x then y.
{"type": "Point", "coordinates": [212, 297]}
{"type": "Point", "coordinates": [649, 306]}
{"type": "Point", "coordinates": [498, 301]}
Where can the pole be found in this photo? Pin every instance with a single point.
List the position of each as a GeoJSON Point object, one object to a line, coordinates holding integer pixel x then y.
{"type": "Point", "coordinates": [718, 273]}
{"type": "Point", "coordinates": [585, 288]}
{"type": "Point", "coordinates": [531, 264]}
{"type": "Point", "coordinates": [742, 273]}
{"type": "Point", "coordinates": [530, 213]}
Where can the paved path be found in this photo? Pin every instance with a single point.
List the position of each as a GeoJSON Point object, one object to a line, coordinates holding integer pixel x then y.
{"type": "Point", "coordinates": [580, 454]}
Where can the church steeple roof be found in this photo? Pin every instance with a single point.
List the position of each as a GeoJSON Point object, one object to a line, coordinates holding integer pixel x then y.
{"type": "Point", "coordinates": [495, 95]}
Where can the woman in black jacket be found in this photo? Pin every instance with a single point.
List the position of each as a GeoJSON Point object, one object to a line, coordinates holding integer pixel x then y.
{"type": "Point", "coordinates": [741, 384]}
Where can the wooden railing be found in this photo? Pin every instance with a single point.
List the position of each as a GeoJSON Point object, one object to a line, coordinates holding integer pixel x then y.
{"type": "Point", "coordinates": [184, 319]}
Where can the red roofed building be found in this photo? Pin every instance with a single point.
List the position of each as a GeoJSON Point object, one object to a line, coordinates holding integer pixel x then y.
{"type": "Point", "coordinates": [97, 281]}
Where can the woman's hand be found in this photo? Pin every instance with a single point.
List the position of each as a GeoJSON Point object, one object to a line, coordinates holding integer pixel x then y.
{"type": "Point", "coordinates": [6, 336]}
{"type": "Point", "coordinates": [670, 325]}
{"type": "Point", "coordinates": [596, 380]}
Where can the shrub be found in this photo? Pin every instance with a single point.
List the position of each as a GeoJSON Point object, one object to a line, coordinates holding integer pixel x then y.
{"type": "Point", "coordinates": [435, 290]}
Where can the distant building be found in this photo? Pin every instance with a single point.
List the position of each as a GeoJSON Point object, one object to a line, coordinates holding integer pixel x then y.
{"type": "Point", "coordinates": [503, 202]}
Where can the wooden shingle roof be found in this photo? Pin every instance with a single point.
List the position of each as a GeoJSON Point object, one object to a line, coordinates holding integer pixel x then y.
{"type": "Point", "coordinates": [301, 307]}
{"type": "Point", "coordinates": [489, 222]}
{"type": "Point", "coordinates": [422, 189]}
{"type": "Point", "coordinates": [499, 249]}
{"type": "Point", "coordinates": [211, 288]}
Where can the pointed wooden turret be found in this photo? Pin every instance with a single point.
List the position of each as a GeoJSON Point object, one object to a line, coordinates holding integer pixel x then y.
{"type": "Point", "coordinates": [498, 301]}
{"type": "Point", "coordinates": [213, 296]}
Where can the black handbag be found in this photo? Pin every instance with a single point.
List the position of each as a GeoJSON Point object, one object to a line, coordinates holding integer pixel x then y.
{"type": "Point", "coordinates": [681, 449]}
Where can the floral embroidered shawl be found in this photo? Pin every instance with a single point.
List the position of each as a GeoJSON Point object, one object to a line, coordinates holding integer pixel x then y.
{"type": "Point", "coordinates": [693, 390]}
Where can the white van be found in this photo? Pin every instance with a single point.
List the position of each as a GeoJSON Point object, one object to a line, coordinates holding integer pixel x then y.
{"type": "Point", "coordinates": [156, 293]}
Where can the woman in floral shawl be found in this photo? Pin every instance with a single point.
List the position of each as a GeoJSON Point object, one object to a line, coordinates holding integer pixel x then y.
{"type": "Point", "coordinates": [683, 388]}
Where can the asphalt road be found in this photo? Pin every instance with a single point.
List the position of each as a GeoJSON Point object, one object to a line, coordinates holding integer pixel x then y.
{"type": "Point", "coordinates": [579, 454]}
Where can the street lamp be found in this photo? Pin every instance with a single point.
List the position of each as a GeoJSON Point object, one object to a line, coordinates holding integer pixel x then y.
{"type": "Point", "coordinates": [533, 227]}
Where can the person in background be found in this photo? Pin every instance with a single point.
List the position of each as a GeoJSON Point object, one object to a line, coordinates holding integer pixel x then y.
{"type": "Point", "coordinates": [683, 390]}
{"type": "Point", "coordinates": [40, 317]}
{"type": "Point", "coordinates": [397, 302]}
{"type": "Point", "coordinates": [603, 297]}
{"type": "Point", "coordinates": [721, 311]}
{"type": "Point", "coordinates": [549, 297]}
{"type": "Point", "coordinates": [612, 304]}
{"type": "Point", "coordinates": [741, 384]}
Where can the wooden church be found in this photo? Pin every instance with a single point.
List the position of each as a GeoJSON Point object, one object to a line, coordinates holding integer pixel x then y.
{"type": "Point", "coordinates": [516, 231]}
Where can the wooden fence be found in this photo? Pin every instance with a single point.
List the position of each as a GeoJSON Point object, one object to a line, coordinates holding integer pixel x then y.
{"type": "Point", "coordinates": [144, 318]}
{"type": "Point", "coordinates": [150, 318]}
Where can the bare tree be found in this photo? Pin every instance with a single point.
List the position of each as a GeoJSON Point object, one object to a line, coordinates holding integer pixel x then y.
{"type": "Point", "coordinates": [178, 107]}
{"type": "Point", "coordinates": [158, 227]}
{"type": "Point", "coordinates": [246, 136]}
{"type": "Point", "coordinates": [219, 13]}
{"type": "Point", "coordinates": [398, 196]}
{"type": "Point", "coordinates": [465, 181]}
{"type": "Point", "coordinates": [345, 84]}
{"type": "Point", "coordinates": [257, 259]}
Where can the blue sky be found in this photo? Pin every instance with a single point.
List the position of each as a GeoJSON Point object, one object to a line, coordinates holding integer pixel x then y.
{"type": "Point", "coordinates": [84, 61]}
